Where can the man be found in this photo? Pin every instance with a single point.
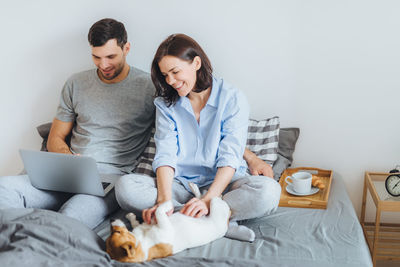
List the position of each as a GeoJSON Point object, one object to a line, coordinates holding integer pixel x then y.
{"type": "Point", "coordinates": [109, 111]}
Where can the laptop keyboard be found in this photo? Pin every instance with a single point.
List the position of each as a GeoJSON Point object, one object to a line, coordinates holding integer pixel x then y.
{"type": "Point", "coordinates": [105, 184]}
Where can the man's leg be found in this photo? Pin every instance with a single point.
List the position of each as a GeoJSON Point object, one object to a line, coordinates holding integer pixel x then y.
{"type": "Point", "coordinates": [18, 192]}
{"type": "Point", "coordinates": [89, 209]}
{"type": "Point", "coordinates": [135, 192]}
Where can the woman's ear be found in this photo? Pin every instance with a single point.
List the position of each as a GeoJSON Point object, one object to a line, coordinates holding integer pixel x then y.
{"type": "Point", "coordinates": [197, 62]}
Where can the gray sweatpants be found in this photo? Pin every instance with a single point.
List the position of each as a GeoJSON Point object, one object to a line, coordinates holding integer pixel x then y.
{"type": "Point", "coordinates": [18, 192]}
{"type": "Point", "coordinates": [248, 197]}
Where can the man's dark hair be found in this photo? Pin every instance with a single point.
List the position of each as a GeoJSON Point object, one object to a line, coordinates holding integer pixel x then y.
{"type": "Point", "coordinates": [107, 29]}
{"type": "Point", "coordinates": [185, 48]}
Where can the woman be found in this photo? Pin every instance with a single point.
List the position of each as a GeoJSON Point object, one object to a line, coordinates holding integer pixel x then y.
{"type": "Point", "coordinates": [201, 131]}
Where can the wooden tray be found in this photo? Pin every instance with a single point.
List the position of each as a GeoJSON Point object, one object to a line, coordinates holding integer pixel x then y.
{"type": "Point", "coordinates": [316, 201]}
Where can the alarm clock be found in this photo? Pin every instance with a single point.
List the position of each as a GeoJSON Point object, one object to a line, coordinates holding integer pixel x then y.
{"type": "Point", "coordinates": [392, 183]}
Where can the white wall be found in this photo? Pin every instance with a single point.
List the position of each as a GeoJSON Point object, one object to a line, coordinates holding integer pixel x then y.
{"type": "Point", "coordinates": [331, 68]}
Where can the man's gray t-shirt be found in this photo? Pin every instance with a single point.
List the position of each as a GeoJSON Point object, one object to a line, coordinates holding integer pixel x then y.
{"type": "Point", "coordinates": [112, 121]}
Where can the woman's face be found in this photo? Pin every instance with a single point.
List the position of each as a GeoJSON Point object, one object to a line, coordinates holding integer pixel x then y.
{"type": "Point", "coordinates": [180, 74]}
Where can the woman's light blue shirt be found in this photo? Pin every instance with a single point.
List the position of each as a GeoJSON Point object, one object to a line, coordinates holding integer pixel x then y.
{"type": "Point", "coordinates": [196, 149]}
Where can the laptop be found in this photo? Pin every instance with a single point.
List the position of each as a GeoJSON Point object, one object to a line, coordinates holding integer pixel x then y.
{"type": "Point", "coordinates": [66, 173]}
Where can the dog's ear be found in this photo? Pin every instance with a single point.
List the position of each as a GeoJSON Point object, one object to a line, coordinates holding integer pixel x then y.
{"type": "Point", "coordinates": [129, 248]}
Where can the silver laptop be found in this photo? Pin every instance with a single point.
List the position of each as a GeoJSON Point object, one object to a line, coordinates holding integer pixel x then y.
{"type": "Point", "coordinates": [66, 173]}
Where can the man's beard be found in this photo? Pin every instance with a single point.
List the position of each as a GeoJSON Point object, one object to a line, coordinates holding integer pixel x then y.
{"type": "Point", "coordinates": [116, 73]}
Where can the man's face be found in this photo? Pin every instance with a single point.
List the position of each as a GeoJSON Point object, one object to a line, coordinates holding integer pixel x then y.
{"type": "Point", "coordinates": [110, 59]}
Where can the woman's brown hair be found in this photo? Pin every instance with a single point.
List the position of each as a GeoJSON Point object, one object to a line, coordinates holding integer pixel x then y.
{"type": "Point", "coordinates": [185, 48]}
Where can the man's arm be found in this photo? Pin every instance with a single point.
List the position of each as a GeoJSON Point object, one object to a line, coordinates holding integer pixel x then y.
{"type": "Point", "coordinates": [58, 132]}
{"type": "Point", "coordinates": [256, 165]}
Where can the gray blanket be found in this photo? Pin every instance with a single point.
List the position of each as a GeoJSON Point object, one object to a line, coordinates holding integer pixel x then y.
{"type": "Point", "coordinates": [31, 237]}
{"type": "Point", "coordinates": [289, 237]}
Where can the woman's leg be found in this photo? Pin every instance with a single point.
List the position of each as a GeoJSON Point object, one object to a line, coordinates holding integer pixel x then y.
{"type": "Point", "coordinates": [135, 192]}
{"type": "Point", "coordinates": [250, 197]}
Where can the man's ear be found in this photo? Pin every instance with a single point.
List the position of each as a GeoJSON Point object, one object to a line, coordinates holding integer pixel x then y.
{"type": "Point", "coordinates": [126, 48]}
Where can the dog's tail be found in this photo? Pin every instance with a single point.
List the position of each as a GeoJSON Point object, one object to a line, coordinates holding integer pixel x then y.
{"type": "Point", "coordinates": [195, 189]}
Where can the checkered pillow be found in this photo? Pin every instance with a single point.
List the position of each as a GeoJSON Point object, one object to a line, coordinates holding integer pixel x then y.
{"type": "Point", "coordinates": [262, 139]}
{"type": "Point", "coordinates": [147, 157]}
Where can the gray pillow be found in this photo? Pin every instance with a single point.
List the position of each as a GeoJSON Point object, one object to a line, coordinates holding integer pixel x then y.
{"type": "Point", "coordinates": [287, 143]}
{"type": "Point", "coordinates": [44, 131]}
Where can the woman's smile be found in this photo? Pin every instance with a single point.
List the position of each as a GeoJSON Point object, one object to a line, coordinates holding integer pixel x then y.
{"type": "Point", "coordinates": [178, 86]}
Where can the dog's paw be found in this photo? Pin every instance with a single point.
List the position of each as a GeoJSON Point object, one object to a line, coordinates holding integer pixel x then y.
{"type": "Point", "coordinates": [130, 216]}
{"type": "Point", "coordinates": [118, 222]}
{"type": "Point", "coordinates": [132, 219]}
{"type": "Point", "coordinates": [165, 207]}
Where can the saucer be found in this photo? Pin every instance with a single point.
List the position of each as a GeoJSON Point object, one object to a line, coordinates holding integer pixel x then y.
{"type": "Point", "coordinates": [290, 190]}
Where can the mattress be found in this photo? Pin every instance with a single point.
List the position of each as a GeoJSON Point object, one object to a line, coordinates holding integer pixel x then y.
{"type": "Point", "coordinates": [289, 237]}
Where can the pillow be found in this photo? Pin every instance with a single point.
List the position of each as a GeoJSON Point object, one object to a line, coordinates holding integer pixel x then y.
{"type": "Point", "coordinates": [262, 140]}
{"type": "Point", "coordinates": [286, 145]}
{"type": "Point", "coordinates": [263, 137]}
{"type": "Point", "coordinates": [146, 158]}
{"type": "Point", "coordinates": [287, 142]}
{"type": "Point", "coordinates": [44, 130]}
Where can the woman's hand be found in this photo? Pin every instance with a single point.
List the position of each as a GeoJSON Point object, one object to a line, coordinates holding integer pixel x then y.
{"type": "Point", "coordinates": [196, 208]}
{"type": "Point", "coordinates": [148, 214]}
{"type": "Point", "coordinates": [165, 175]}
{"type": "Point", "coordinates": [200, 207]}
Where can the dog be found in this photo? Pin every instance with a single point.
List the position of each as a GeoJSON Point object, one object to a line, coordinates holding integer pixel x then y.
{"type": "Point", "coordinates": [170, 235]}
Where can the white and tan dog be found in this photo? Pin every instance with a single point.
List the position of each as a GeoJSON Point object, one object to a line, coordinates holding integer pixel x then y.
{"type": "Point", "coordinates": [170, 235]}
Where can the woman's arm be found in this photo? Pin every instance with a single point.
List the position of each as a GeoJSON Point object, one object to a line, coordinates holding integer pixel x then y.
{"type": "Point", "coordinates": [199, 207]}
{"type": "Point", "coordinates": [164, 163]}
{"type": "Point", "coordinates": [165, 176]}
{"type": "Point", "coordinates": [222, 179]}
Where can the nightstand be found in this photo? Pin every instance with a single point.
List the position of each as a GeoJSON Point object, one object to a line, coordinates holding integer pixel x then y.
{"type": "Point", "coordinates": [383, 238]}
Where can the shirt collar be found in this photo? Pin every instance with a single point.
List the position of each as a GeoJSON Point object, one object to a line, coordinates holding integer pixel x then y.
{"type": "Point", "coordinates": [212, 100]}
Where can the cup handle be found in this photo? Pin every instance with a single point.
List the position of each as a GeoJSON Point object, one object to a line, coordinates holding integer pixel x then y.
{"type": "Point", "coordinates": [286, 179]}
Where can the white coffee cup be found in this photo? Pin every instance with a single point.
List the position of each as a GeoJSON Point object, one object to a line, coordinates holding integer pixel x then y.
{"type": "Point", "coordinates": [301, 182]}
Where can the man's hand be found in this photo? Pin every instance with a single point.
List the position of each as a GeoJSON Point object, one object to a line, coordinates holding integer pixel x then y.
{"type": "Point", "coordinates": [260, 167]}
{"type": "Point", "coordinates": [256, 165]}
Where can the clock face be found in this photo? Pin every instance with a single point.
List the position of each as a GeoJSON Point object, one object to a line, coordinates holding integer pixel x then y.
{"type": "Point", "coordinates": [393, 184]}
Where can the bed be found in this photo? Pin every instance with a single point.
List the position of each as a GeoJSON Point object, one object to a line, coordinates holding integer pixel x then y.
{"type": "Point", "coordinates": [289, 237]}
